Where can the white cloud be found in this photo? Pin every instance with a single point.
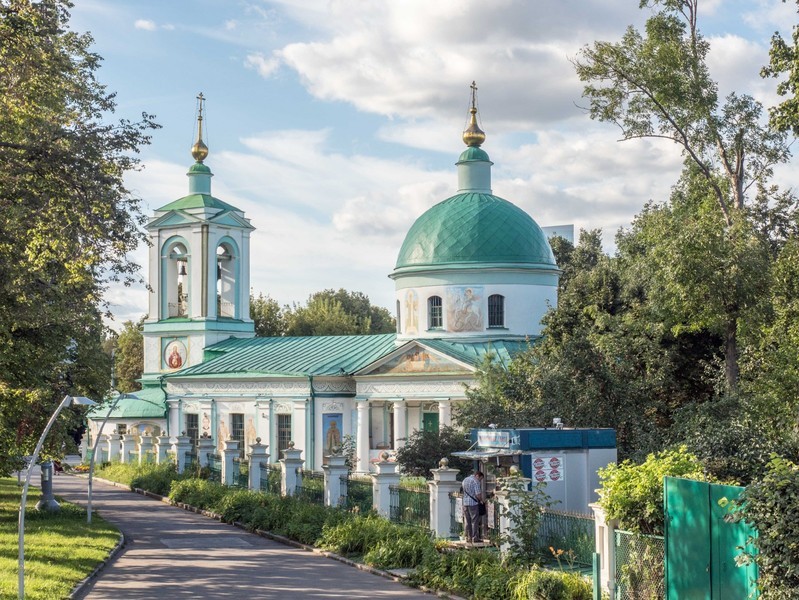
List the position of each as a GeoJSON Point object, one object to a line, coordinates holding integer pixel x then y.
{"type": "Point", "coordinates": [145, 24]}
{"type": "Point", "coordinates": [231, 24]}
{"type": "Point", "coordinates": [266, 67]}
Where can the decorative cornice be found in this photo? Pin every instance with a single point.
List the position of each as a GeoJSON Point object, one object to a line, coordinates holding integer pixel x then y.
{"type": "Point", "coordinates": [249, 388]}
{"type": "Point", "coordinates": [410, 389]}
{"type": "Point", "coordinates": [332, 407]}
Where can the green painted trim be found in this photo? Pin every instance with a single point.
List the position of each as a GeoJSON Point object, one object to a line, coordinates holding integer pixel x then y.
{"type": "Point", "coordinates": [451, 269]}
{"type": "Point", "coordinates": [191, 325]}
{"type": "Point", "coordinates": [334, 395]}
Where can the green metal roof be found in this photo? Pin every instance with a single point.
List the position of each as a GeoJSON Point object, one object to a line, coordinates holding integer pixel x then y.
{"type": "Point", "coordinates": [473, 353]}
{"type": "Point", "coordinates": [473, 153]}
{"type": "Point", "coordinates": [147, 403]}
{"type": "Point", "coordinates": [293, 356]}
{"type": "Point", "coordinates": [198, 201]}
{"type": "Point", "coordinates": [474, 228]}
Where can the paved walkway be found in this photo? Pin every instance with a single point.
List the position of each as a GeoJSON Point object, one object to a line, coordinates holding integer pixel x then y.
{"type": "Point", "coordinates": [173, 553]}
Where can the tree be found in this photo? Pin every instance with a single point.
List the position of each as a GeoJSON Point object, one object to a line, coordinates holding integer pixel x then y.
{"type": "Point", "coordinates": [67, 221]}
{"type": "Point", "coordinates": [424, 449]}
{"type": "Point", "coordinates": [269, 318]}
{"type": "Point", "coordinates": [657, 85]}
{"type": "Point", "coordinates": [339, 312]}
{"type": "Point", "coordinates": [784, 62]}
{"type": "Point", "coordinates": [129, 356]}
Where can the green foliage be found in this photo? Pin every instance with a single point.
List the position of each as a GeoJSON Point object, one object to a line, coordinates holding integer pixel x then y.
{"type": "Point", "coordinates": [405, 551]}
{"type": "Point", "coordinates": [129, 356]}
{"type": "Point", "coordinates": [156, 478]}
{"type": "Point", "coordinates": [339, 312]}
{"type": "Point", "coordinates": [784, 64]}
{"type": "Point", "coordinates": [633, 493]}
{"type": "Point", "coordinates": [424, 449]}
{"type": "Point", "coordinates": [770, 506]}
{"type": "Point", "coordinates": [68, 222]}
{"type": "Point", "coordinates": [200, 493]}
{"type": "Point", "coordinates": [525, 510]}
{"type": "Point", "coordinates": [359, 535]}
{"type": "Point", "coordinates": [538, 584]}
{"type": "Point", "coordinates": [459, 571]}
{"type": "Point", "coordinates": [267, 316]}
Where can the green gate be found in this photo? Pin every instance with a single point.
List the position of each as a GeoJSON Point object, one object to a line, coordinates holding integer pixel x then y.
{"type": "Point", "coordinates": [701, 546]}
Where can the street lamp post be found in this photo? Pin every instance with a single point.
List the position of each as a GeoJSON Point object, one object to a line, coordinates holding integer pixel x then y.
{"type": "Point", "coordinates": [67, 401]}
{"type": "Point", "coordinates": [94, 454]}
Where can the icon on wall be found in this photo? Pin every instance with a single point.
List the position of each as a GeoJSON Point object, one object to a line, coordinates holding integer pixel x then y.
{"type": "Point", "coordinates": [174, 355]}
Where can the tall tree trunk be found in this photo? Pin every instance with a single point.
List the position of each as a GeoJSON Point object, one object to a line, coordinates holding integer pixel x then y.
{"type": "Point", "coordinates": [731, 370]}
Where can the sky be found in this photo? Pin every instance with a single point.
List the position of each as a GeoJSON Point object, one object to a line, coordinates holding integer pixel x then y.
{"type": "Point", "coordinates": [334, 124]}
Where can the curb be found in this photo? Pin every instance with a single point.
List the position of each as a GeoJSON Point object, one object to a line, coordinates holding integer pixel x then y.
{"type": "Point", "coordinates": [79, 587]}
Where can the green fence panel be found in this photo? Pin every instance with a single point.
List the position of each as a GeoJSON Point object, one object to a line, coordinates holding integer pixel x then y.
{"type": "Point", "coordinates": [728, 580]}
{"type": "Point", "coordinates": [687, 524]}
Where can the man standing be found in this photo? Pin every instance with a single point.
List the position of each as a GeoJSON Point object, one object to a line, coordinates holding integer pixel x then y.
{"type": "Point", "coordinates": [472, 500]}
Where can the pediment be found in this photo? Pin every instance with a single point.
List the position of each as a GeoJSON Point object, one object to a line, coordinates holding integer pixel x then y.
{"type": "Point", "coordinates": [172, 219]}
{"type": "Point", "coordinates": [414, 358]}
{"type": "Point", "coordinates": [231, 219]}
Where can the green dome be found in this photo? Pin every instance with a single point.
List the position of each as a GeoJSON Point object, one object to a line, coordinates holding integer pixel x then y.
{"type": "Point", "coordinates": [475, 228]}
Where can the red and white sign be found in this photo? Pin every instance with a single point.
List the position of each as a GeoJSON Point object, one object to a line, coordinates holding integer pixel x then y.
{"type": "Point", "coordinates": [548, 468]}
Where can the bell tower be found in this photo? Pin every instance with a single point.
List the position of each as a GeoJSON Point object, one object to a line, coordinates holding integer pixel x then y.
{"type": "Point", "coordinates": [199, 272]}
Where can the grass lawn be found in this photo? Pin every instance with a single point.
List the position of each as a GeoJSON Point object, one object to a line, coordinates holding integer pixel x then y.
{"type": "Point", "coordinates": [60, 549]}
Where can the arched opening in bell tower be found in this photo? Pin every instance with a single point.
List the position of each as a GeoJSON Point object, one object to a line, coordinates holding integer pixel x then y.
{"type": "Point", "coordinates": [175, 269]}
{"type": "Point", "coordinates": [227, 292]}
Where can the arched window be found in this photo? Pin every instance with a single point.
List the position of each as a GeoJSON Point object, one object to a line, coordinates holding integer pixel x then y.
{"type": "Point", "coordinates": [399, 322]}
{"type": "Point", "coordinates": [176, 279]}
{"type": "Point", "coordinates": [435, 313]}
{"type": "Point", "coordinates": [496, 311]}
{"type": "Point", "coordinates": [226, 281]}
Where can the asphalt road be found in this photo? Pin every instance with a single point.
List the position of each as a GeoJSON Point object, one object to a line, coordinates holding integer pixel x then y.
{"type": "Point", "coordinates": [172, 553]}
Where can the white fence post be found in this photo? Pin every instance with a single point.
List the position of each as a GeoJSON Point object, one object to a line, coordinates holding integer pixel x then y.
{"type": "Point", "coordinates": [205, 446]}
{"type": "Point", "coordinates": [291, 464]}
{"type": "Point", "coordinates": [161, 448]}
{"type": "Point", "coordinates": [605, 535]}
{"type": "Point", "coordinates": [128, 445]}
{"type": "Point", "coordinates": [231, 451]}
{"type": "Point", "coordinates": [145, 447]}
{"type": "Point", "coordinates": [382, 480]}
{"type": "Point", "coordinates": [258, 457]}
{"type": "Point", "coordinates": [335, 469]}
{"type": "Point", "coordinates": [180, 447]}
{"type": "Point", "coordinates": [443, 484]}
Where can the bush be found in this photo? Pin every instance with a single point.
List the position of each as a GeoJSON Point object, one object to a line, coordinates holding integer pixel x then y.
{"type": "Point", "coordinates": [633, 494]}
{"type": "Point", "coordinates": [358, 535]}
{"type": "Point", "coordinates": [404, 552]}
{"type": "Point", "coordinates": [458, 571]}
{"type": "Point", "coordinates": [198, 492]}
{"type": "Point", "coordinates": [156, 478]}
{"type": "Point", "coordinates": [424, 449]}
{"type": "Point", "coordinates": [770, 506]}
{"type": "Point", "coordinates": [540, 584]}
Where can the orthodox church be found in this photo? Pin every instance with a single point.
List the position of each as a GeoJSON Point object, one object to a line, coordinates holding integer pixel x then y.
{"type": "Point", "coordinates": [474, 276]}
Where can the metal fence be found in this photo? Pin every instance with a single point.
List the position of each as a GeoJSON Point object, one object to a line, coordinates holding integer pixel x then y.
{"type": "Point", "coordinates": [640, 569]}
{"type": "Point", "coordinates": [191, 460]}
{"type": "Point", "coordinates": [359, 497]}
{"type": "Point", "coordinates": [312, 487]}
{"type": "Point", "coordinates": [241, 473]}
{"type": "Point", "coordinates": [410, 505]}
{"type": "Point", "coordinates": [215, 467]}
{"type": "Point", "coordinates": [567, 536]}
{"type": "Point", "coordinates": [271, 476]}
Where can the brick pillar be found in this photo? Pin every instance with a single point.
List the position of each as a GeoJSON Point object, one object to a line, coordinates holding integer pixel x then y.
{"type": "Point", "coordinates": [385, 477]}
{"type": "Point", "coordinates": [335, 469]}
{"type": "Point", "coordinates": [258, 457]}
{"type": "Point", "coordinates": [444, 482]}
{"type": "Point", "coordinates": [291, 464]}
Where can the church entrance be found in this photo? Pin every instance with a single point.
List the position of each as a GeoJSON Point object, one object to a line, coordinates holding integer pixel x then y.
{"type": "Point", "coordinates": [430, 421]}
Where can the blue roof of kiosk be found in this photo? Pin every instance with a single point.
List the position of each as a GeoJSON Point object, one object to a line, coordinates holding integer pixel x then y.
{"type": "Point", "coordinates": [147, 403]}
{"type": "Point", "coordinates": [333, 355]}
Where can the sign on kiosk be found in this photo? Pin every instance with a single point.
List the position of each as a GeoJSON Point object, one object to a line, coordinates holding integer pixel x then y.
{"type": "Point", "coordinates": [493, 439]}
{"type": "Point", "coordinates": [548, 468]}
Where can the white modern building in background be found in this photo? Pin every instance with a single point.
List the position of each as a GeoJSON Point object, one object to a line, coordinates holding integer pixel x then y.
{"type": "Point", "coordinates": [474, 276]}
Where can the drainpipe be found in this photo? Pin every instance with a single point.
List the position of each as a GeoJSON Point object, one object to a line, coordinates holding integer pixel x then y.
{"type": "Point", "coordinates": [311, 457]}
{"type": "Point", "coordinates": [213, 425]}
{"type": "Point", "coordinates": [162, 384]}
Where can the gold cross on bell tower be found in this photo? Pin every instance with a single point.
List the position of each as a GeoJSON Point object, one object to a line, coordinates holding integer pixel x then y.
{"type": "Point", "coordinates": [473, 135]}
{"type": "Point", "coordinates": [199, 150]}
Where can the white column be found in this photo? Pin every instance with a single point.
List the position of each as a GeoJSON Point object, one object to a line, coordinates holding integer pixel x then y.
{"type": "Point", "coordinates": [230, 451]}
{"type": "Point", "coordinates": [335, 469]}
{"type": "Point", "coordinates": [145, 446]}
{"type": "Point", "coordinates": [444, 412]}
{"type": "Point", "coordinates": [382, 480]}
{"type": "Point", "coordinates": [174, 414]}
{"type": "Point", "coordinates": [362, 443]}
{"type": "Point", "coordinates": [400, 422]}
{"type": "Point", "coordinates": [444, 482]}
{"type": "Point", "coordinates": [605, 533]}
{"type": "Point", "coordinates": [180, 447]}
{"type": "Point", "coordinates": [161, 448]}
{"type": "Point", "coordinates": [258, 457]}
{"type": "Point", "coordinates": [291, 464]}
